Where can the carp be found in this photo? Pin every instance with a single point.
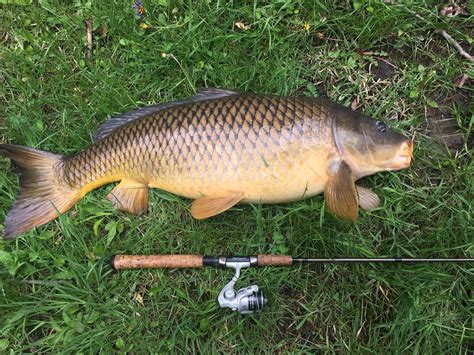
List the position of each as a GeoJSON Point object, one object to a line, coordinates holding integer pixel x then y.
{"type": "Point", "coordinates": [220, 148]}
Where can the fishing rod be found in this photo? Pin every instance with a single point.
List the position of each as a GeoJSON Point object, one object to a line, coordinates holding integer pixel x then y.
{"type": "Point", "coordinates": [248, 299]}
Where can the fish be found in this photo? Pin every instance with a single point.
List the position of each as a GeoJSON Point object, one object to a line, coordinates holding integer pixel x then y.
{"type": "Point", "coordinates": [220, 148]}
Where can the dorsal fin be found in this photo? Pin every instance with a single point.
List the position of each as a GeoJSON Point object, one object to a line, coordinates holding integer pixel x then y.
{"type": "Point", "coordinates": [117, 121]}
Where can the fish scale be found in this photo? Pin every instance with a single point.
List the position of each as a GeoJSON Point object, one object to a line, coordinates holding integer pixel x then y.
{"type": "Point", "coordinates": [233, 140]}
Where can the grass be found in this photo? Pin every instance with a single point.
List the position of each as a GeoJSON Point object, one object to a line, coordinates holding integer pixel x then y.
{"type": "Point", "coordinates": [57, 291]}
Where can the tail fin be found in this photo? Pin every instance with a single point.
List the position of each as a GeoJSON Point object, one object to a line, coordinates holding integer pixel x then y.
{"type": "Point", "coordinates": [42, 197]}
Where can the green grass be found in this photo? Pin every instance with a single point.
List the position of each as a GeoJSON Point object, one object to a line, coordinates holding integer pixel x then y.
{"type": "Point", "coordinates": [57, 291]}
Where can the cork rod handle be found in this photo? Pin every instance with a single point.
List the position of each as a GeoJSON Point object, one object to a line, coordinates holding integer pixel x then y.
{"type": "Point", "coordinates": [274, 260]}
{"type": "Point", "coordinates": [156, 261]}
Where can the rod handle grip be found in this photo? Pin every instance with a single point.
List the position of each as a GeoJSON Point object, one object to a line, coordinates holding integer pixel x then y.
{"type": "Point", "coordinates": [172, 261]}
{"type": "Point", "coordinates": [274, 260]}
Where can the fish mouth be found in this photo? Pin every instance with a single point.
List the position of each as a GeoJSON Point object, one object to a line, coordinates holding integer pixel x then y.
{"type": "Point", "coordinates": [403, 157]}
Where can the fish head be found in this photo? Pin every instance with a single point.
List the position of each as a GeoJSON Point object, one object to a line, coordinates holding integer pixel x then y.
{"type": "Point", "coordinates": [368, 145]}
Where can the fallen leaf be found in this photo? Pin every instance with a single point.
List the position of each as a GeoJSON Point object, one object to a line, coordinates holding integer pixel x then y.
{"type": "Point", "coordinates": [138, 298]}
{"type": "Point", "coordinates": [103, 31]}
{"type": "Point", "coordinates": [461, 81]}
{"type": "Point", "coordinates": [355, 103]}
{"type": "Point", "coordinates": [452, 11]}
{"type": "Point", "coordinates": [242, 26]}
{"type": "Point", "coordinates": [144, 25]}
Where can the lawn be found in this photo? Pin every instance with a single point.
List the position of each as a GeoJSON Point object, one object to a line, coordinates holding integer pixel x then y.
{"type": "Point", "coordinates": [390, 61]}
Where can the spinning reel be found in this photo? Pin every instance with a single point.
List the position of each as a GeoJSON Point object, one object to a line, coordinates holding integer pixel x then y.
{"type": "Point", "coordinates": [246, 300]}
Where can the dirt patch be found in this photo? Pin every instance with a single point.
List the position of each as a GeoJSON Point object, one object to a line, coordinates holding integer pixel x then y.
{"type": "Point", "coordinates": [441, 121]}
{"type": "Point", "coordinates": [382, 70]}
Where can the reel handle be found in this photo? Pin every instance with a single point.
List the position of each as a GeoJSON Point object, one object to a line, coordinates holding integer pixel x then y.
{"type": "Point", "coordinates": [171, 261]}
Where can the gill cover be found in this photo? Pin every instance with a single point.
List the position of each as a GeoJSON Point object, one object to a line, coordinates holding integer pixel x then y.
{"type": "Point", "coordinates": [368, 145]}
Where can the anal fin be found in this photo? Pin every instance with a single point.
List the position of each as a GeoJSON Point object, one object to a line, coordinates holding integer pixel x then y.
{"type": "Point", "coordinates": [209, 206]}
{"type": "Point", "coordinates": [130, 196]}
{"type": "Point", "coordinates": [340, 192]}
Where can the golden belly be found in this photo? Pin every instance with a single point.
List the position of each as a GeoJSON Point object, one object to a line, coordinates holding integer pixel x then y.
{"type": "Point", "coordinates": [274, 178]}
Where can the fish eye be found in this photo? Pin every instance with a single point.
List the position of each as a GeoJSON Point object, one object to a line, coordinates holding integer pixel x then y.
{"type": "Point", "coordinates": [381, 127]}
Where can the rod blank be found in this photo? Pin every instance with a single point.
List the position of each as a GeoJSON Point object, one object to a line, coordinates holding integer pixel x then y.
{"type": "Point", "coordinates": [382, 260]}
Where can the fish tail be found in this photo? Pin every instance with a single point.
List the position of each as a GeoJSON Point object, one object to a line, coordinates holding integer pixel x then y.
{"type": "Point", "coordinates": [41, 197]}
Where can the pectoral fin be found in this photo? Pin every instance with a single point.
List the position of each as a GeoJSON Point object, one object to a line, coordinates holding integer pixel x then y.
{"type": "Point", "coordinates": [130, 196]}
{"type": "Point", "coordinates": [340, 191]}
{"type": "Point", "coordinates": [368, 200]}
{"type": "Point", "coordinates": [208, 206]}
